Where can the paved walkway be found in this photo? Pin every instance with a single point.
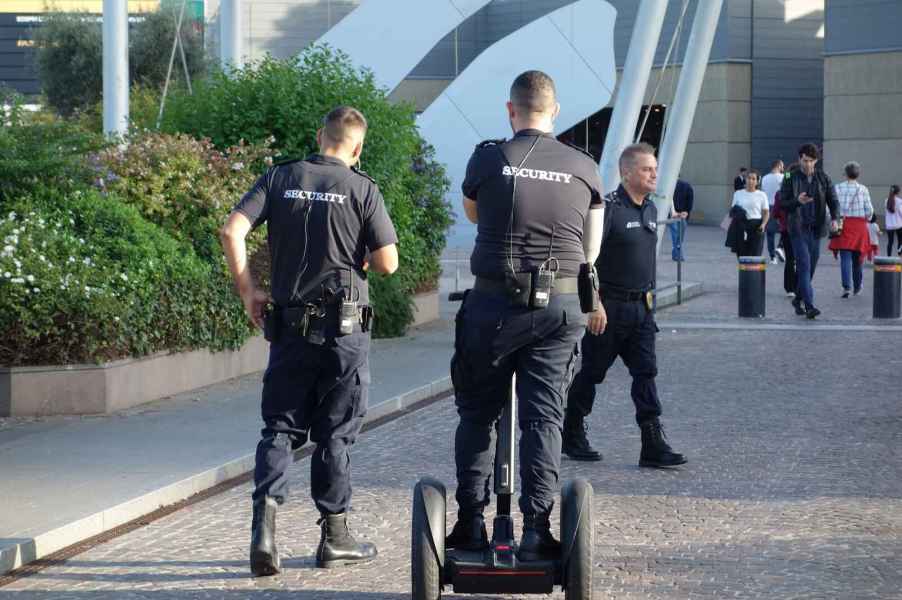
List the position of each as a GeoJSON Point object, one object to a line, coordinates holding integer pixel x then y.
{"type": "Point", "coordinates": [793, 490]}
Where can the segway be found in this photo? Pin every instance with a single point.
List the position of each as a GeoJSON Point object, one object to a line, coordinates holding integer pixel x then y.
{"type": "Point", "coordinates": [497, 570]}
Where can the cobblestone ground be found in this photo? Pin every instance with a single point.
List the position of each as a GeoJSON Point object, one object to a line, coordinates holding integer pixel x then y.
{"type": "Point", "coordinates": [793, 490]}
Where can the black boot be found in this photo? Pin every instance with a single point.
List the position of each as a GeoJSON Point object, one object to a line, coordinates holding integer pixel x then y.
{"type": "Point", "coordinates": [264, 555]}
{"type": "Point", "coordinates": [537, 542]}
{"type": "Point", "coordinates": [468, 533]}
{"type": "Point", "coordinates": [338, 547]}
{"type": "Point", "coordinates": [797, 305]}
{"type": "Point", "coordinates": [656, 452]}
{"type": "Point", "coordinates": [575, 443]}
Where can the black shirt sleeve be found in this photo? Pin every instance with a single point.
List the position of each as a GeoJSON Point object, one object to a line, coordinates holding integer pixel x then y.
{"type": "Point", "coordinates": [255, 204]}
{"type": "Point", "coordinates": [379, 231]}
{"type": "Point", "coordinates": [594, 183]}
{"type": "Point", "coordinates": [475, 176]}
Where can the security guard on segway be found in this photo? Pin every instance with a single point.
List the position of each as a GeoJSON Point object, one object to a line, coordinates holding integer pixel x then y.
{"type": "Point", "coordinates": [531, 198]}
{"type": "Point", "coordinates": [626, 278]}
{"type": "Point", "coordinates": [327, 224]}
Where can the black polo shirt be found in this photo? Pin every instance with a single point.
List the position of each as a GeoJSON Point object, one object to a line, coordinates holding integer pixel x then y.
{"type": "Point", "coordinates": [629, 245]}
{"type": "Point", "coordinates": [555, 187]}
{"type": "Point", "coordinates": [322, 218]}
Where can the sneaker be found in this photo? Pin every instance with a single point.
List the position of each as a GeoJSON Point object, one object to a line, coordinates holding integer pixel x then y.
{"type": "Point", "coordinates": [790, 294]}
{"type": "Point", "coordinates": [781, 255]}
{"type": "Point", "coordinates": [797, 305]}
{"type": "Point", "coordinates": [900, 251]}
{"type": "Point", "coordinates": [845, 293]}
{"type": "Point", "coordinates": [773, 261]}
{"type": "Point", "coordinates": [857, 292]}
{"type": "Point", "coordinates": [812, 312]}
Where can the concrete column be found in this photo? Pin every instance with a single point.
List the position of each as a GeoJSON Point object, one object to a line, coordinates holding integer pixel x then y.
{"type": "Point", "coordinates": [231, 50]}
{"type": "Point", "coordinates": [115, 67]}
{"type": "Point", "coordinates": [682, 112]}
{"type": "Point", "coordinates": [630, 94]}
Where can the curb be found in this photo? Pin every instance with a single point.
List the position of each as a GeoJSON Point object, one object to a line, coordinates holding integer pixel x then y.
{"type": "Point", "coordinates": [17, 553]}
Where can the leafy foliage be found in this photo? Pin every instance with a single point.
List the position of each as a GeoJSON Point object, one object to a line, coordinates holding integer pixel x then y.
{"type": "Point", "coordinates": [151, 47]}
{"type": "Point", "coordinates": [183, 184]}
{"type": "Point", "coordinates": [40, 149]}
{"type": "Point", "coordinates": [84, 278]}
{"type": "Point", "coordinates": [70, 60]}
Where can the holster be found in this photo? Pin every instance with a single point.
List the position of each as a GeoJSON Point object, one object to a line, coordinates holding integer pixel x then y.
{"type": "Point", "coordinates": [587, 283]}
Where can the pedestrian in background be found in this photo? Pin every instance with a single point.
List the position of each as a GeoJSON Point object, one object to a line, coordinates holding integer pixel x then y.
{"type": "Point", "coordinates": [789, 267]}
{"type": "Point", "coordinates": [893, 221]}
{"type": "Point", "coordinates": [770, 185]}
{"type": "Point", "coordinates": [739, 182]}
{"type": "Point", "coordinates": [683, 198]}
{"type": "Point", "coordinates": [754, 202]}
{"type": "Point", "coordinates": [806, 195]}
{"type": "Point", "coordinates": [874, 233]}
{"type": "Point", "coordinates": [854, 240]}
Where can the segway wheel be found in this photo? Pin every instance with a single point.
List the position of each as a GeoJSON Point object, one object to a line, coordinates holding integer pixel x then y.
{"type": "Point", "coordinates": [577, 539]}
{"type": "Point", "coordinates": [425, 568]}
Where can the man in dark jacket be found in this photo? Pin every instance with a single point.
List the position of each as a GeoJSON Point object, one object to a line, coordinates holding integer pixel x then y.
{"type": "Point", "coordinates": [739, 182]}
{"type": "Point", "coordinates": [806, 195]}
{"type": "Point", "coordinates": [683, 196]}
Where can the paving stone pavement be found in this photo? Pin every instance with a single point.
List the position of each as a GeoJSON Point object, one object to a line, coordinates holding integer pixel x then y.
{"type": "Point", "coordinates": [793, 490]}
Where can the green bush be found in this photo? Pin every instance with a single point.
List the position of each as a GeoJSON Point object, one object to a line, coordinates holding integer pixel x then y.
{"type": "Point", "coordinates": [69, 60]}
{"type": "Point", "coordinates": [40, 150]}
{"type": "Point", "coordinates": [286, 99]}
{"type": "Point", "coordinates": [84, 278]}
{"type": "Point", "coordinates": [69, 57]}
{"type": "Point", "coordinates": [182, 184]}
{"type": "Point", "coordinates": [150, 47]}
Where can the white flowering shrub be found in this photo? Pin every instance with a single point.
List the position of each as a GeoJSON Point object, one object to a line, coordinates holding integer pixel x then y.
{"type": "Point", "coordinates": [84, 278]}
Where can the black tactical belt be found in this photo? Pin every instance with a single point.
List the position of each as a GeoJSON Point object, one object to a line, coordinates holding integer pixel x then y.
{"type": "Point", "coordinates": [562, 285]}
{"type": "Point", "coordinates": [623, 295]}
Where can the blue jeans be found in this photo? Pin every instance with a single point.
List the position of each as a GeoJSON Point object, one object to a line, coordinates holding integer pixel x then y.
{"type": "Point", "coordinates": [850, 266]}
{"type": "Point", "coordinates": [806, 247]}
{"type": "Point", "coordinates": [677, 235]}
{"type": "Point", "coordinates": [771, 231]}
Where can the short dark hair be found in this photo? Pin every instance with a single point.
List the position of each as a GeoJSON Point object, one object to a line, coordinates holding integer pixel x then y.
{"type": "Point", "coordinates": [776, 163]}
{"type": "Point", "coordinates": [533, 92]}
{"type": "Point", "coordinates": [742, 169]}
{"type": "Point", "coordinates": [338, 124]}
{"type": "Point", "coordinates": [809, 150]}
{"type": "Point", "coordinates": [852, 169]}
{"type": "Point", "coordinates": [629, 154]}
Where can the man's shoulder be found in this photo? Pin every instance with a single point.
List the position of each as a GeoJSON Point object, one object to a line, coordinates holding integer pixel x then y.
{"type": "Point", "coordinates": [363, 175]}
{"type": "Point", "coordinates": [582, 153]}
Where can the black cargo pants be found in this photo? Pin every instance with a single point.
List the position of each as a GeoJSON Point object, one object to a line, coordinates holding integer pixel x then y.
{"type": "Point", "coordinates": [492, 342]}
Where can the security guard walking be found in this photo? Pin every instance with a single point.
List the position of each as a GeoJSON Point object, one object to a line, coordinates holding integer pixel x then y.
{"type": "Point", "coordinates": [323, 219]}
{"type": "Point", "coordinates": [626, 277]}
{"type": "Point", "coordinates": [531, 198]}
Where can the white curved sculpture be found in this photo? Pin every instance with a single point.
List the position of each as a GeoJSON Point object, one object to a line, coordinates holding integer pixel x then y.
{"type": "Point", "coordinates": [390, 37]}
{"type": "Point", "coordinates": [574, 45]}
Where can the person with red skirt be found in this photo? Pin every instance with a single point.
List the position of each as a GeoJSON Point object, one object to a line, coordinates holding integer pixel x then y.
{"type": "Point", "coordinates": [853, 242]}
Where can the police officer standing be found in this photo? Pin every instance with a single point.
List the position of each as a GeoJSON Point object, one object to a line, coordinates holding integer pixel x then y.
{"type": "Point", "coordinates": [323, 217]}
{"type": "Point", "coordinates": [626, 276]}
{"type": "Point", "coordinates": [531, 198]}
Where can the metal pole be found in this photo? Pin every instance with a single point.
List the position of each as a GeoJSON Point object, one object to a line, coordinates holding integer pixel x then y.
{"type": "Point", "coordinates": [231, 53]}
{"type": "Point", "coordinates": [682, 111]}
{"type": "Point", "coordinates": [631, 92]}
{"type": "Point", "coordinates": [115, 67]}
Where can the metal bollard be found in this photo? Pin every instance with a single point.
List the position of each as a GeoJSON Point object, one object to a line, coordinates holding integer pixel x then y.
{"type": "Point", "coordinates": [887, 292]}
{"type": "Point", "coordinates": [752, 271]}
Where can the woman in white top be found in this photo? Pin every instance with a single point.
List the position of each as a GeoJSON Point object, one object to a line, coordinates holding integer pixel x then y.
{"type": "Point", "coordinates": [894, 221]}
{"type": "Point", "coordinates": [754, 202]}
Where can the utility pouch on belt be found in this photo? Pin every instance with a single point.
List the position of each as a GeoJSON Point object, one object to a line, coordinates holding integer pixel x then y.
{"type": "Point", "coordinates": [270, 324]}
{"type": "Point", "coordinates": [366, 318]}
{"type": "Point", "coordinates": [519, 289]}
{"type": "Point", "coordinates": [587, 284]}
